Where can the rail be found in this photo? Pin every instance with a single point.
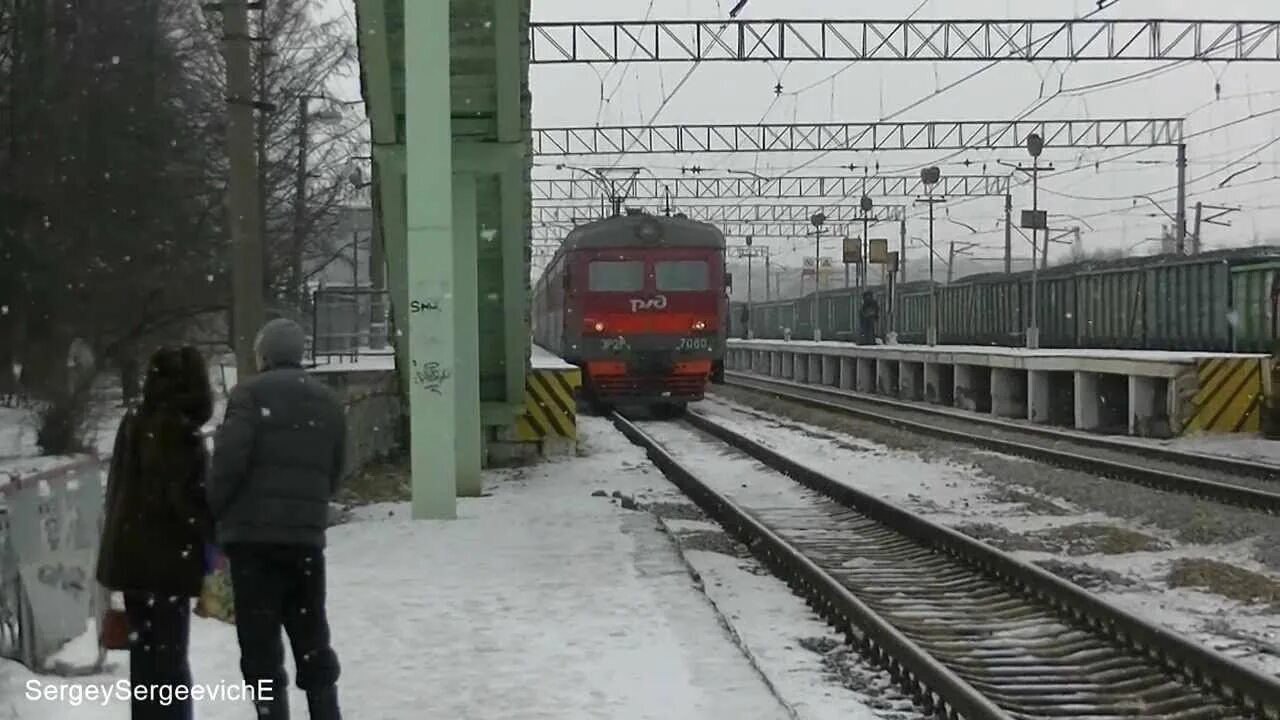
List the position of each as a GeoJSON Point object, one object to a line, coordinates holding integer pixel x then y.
{"type": "Point", "coordinates": [959, 683]}
{"type": "Point", "coordinates": [1038, 443]}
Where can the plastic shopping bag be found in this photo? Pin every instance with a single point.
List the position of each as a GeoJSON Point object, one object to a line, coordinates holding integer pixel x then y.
{"type": "Point", "coordinates": [216, 599]}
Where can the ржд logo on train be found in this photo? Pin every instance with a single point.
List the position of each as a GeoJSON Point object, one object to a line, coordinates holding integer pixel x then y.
{"type": "Point", "coordinates": [657, 302]}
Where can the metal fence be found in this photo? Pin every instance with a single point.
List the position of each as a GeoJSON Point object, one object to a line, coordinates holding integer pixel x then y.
{"type": "Point", "coordinates": [50, 525]}
{"type": "Point", "coordinates": [347, 323]}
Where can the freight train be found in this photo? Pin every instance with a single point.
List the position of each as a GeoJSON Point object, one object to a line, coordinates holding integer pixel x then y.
{"type": "Point", "coordinates": [640, 303]}
{"type": "Point", "coordinates": [1222, 301]}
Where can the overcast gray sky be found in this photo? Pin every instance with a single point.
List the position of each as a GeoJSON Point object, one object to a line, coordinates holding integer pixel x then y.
{"type": "Point", "coordinates": [1101, 196]}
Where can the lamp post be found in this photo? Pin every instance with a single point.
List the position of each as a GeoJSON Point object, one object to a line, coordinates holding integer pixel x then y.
{"type": "Point", "coordinates": [1035, 145]}
{"type": "Point", "coordinates": [750, 295]}
{"type": "Point", "coordinates": [817, 219]}
{"type": "Point", "coordinates": [930, 177]}
{"type": "Point", "coordinates": [864, 267]}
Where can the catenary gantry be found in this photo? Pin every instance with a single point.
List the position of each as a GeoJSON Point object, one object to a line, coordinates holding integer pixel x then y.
{"type": "Point", "coordinates": [737, 213]}
{"type": "Point", "coordinates": [905, 40]}
{"type": "Point", "coordinates": [781, 187]}
{"type": "Point", "coordinates": [852, 136]}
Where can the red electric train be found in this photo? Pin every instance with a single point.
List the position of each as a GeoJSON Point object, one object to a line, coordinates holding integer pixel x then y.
{"type": "Point", "coordinates": [640, 303]}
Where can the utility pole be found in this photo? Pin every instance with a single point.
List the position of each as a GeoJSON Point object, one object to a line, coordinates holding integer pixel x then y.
{"type": "Point", "coordinates": [265, 52]}
{"type": "Point", "coordinates": [1008, 233]}
{"type": "Point", "coordinates": [1221, 211]}
{"type": "Point", "coordinates": [930, 176]}
{"type": "Point", "coordinates": [248, 311]}
{"type": "Point", "coordinates": [864, 250]}
{"type": "Point", "coordinates": [300, 200]}
{"type": "Point", "coordinates": [1195, 239]}
{"type": "Point", "coordinates": [299, 238]}
{"type": "Point", "coordinates": [768, 278]}
{"type": "Point", "coordinates": [902, 249]}
{"type": "Point", "coordinates": [1181, 221]}
{"type": "Point", "coordinates": [1035, 220]}
{"type": "Point", "coordinates": [817, 219]}
{"type": "Point", "coordinates": [951, 257]}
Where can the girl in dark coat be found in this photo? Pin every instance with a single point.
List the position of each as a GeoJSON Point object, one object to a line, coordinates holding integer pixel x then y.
{"type": "Point", "coordinates": [157, 522]}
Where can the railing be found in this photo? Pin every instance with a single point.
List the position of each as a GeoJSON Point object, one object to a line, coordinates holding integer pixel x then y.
{"type": "Point", "coordinates": [349, 323]}
{"type": "Point", "coordinates": [50, 525]}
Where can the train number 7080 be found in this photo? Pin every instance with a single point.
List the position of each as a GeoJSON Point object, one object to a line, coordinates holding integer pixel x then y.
{"type": "Point", "coordinates": [694, 344]}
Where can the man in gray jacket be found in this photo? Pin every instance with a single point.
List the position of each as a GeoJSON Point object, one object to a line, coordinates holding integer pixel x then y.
{"type": "Point", "coordinates": [277, 461]}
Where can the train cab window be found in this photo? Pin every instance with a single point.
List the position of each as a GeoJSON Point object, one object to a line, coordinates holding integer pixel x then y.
{"type": "Point", "coordinates": [616, 276]}
{"type": "Point", "coordinates": [682, 275]}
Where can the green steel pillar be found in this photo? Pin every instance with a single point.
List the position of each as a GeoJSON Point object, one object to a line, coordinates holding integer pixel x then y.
{"type": "Point", "coordinates": [466, 306]}
{"type": "Point", "coordinates": [511, 32]}
{"type": "Point", "coordinates": [391, 194]}
{"type": "Point", "coordinates": [432, 331]}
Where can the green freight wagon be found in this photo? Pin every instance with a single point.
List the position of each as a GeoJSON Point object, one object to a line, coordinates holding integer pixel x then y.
{"type": "Point", "coordinates": [1188, 306]}
{"type": "Point", "coordinates": [1253, 306]}
{"type": "Point", "coordinates": [1219, 301]}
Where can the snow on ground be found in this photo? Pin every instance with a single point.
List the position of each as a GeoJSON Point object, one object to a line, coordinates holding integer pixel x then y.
{"type": "Point", "coordinates": [542, 359]}
{"type": "Point", "coordinates": [540, 601]}
{"type": "Point", "coordinates": [344, 363]}
{"type": "Point", "coordinates": [772, 622]}
{"type": "Point", "coordinates": [1234, 445]}
{"type": "Point", "coordinates": [19, 454]}
{"type": "Point", "coordinates": [951, 493]}
{"type": "Point", "coordinates": [835, 346]}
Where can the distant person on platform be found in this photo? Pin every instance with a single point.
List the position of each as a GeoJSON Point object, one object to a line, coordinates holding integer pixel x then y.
{"type": "Point", "coordinates": [156, 523]}
{"type": "Point", "coordinates": [868, 318]}
{"type": "Point", "coordinates": [277, 462]}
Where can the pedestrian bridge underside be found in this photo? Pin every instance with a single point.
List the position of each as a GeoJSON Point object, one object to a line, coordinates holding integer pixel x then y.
{"type": "Point", "coordinates": [446, 90]}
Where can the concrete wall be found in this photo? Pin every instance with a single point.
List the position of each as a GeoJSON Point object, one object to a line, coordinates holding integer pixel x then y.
{"type": "Point", "coordinates": [375, 426]}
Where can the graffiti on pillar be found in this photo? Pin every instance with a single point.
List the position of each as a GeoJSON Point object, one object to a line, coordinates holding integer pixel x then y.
{"type": "Point", "coordinates": [420, 306]}
{"type": "Point", "coordinates": [430, 375]}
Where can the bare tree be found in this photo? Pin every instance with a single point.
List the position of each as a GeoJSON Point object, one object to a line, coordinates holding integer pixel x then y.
{"type": "Point", "coordinates": [307, 141]}
{"type": "Point", "coordinates": [113, 232]}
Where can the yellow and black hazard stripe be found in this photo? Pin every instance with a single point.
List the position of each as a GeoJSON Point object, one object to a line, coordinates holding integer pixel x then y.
{"type": "Point", "coordinates": [1229, 398]}
{"type": "Point", "coordinates": [550, 408]}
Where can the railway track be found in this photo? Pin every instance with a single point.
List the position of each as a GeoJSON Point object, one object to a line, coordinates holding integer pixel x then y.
{"type": "Point", "coordinates": [1242, 483]}
{"type": "Point", "coordinates": [966, 630]}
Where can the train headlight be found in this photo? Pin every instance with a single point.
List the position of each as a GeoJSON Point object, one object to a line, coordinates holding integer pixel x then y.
{"type": "Point", "coordinates": [649, 230]}
{"type": "Point", "coordinates": [699, 325]}
{"type": "Point", "coordinates": [599, 327]}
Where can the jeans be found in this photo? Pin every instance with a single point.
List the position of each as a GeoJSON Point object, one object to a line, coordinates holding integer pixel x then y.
{"type": "Point", "coordinates": [283, 586]}
{"type": "Point", "coordinates": [159, 632]}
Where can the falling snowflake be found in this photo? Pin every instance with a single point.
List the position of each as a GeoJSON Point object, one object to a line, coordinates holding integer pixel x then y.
{"type": "Point", "coordinates": [115, 59]}
{"type": "Point", "coordinates": [4, 309]}
{"type": "Point", "coordinates": [266, 412]}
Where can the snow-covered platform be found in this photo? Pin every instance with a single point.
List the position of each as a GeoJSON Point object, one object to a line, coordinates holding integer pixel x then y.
{"type": "Point", "coordinates": [540, 602]}
{"type": "Point", "coordinates": [544, 359]}
{"type": "Point", "coordinates": [1135, 391]}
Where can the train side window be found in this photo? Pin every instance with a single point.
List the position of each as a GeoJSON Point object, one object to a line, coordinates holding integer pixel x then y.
{"type": "Point", "coordinates": [616, 276]}
{"type": "Point", "coordinates": [682, 275]}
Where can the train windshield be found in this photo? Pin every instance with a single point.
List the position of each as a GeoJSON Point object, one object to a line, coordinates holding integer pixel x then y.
{"type": "Point", "coordinates": [616, 276]}
{"type": "Point", "coordinates": [682, 276]}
